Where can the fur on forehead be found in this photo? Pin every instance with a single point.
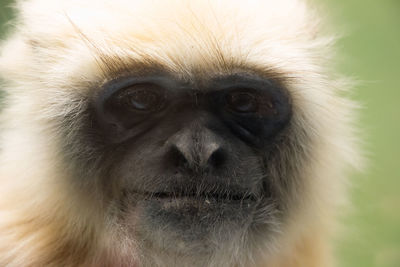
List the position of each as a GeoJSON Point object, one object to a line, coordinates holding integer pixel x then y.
{"type": "Point", "coordinates": [192, 35]}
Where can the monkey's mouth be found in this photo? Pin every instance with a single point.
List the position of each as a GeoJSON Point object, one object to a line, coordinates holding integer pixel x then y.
{"type": "Point", "coordinates": [206, 197]}
{"type": "Point", "coordinates": [225, 197]}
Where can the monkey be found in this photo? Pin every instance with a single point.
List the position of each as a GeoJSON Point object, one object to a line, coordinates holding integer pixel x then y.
{"type": "Point", "coordinates": [172, 133]}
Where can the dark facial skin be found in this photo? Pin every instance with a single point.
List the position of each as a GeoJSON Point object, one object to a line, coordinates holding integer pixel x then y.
{"type": "Point", "coordinates": [189, 157]}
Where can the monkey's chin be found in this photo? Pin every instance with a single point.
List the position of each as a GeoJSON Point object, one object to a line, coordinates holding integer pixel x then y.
{"type": "Point", "coordinates": [193, 222]}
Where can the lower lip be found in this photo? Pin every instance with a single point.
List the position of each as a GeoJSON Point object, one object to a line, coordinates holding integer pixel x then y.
{"type": "Point", "coordinates": [202, 201]}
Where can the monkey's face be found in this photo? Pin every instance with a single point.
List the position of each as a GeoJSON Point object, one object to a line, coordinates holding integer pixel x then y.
{"type": "Point", "coordinates": [187, 159]}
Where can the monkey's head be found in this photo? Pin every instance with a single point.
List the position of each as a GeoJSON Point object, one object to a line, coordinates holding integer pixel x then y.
{"type": "Point", "coordinates": [181, 129]}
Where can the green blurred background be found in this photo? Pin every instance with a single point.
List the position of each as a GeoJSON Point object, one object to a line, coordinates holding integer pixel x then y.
{"type": "Point", "coordinates": [370, 53]}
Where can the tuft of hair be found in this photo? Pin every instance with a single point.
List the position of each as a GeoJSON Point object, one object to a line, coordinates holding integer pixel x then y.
{"type": "Point", "coordinates": [60, 51]}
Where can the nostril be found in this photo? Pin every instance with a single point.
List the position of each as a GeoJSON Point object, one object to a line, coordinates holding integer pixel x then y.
{"type": "Point", "coordinates": [217, 158]}
{"type": "Point", "coordinates": [179, 160]}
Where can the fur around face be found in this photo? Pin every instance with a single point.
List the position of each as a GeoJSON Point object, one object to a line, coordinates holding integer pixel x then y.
{"type": "Point", "coordinates": [63, 50]}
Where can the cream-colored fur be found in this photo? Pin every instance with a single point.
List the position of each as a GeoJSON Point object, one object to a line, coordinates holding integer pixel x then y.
{"type": "Point", "coordinates": [64, 49]}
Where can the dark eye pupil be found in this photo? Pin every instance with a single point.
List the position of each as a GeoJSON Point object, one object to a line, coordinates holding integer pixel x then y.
{"type": "Point", "coordinates": [242, 102]}
{"type": "Point", "coordinates": [141, 97]}
{"type": "Point", "coordinates": [142, 100]}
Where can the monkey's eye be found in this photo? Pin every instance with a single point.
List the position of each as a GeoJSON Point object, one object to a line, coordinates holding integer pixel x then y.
{"type": "Point", "coordinates": [142, 98]}
{"type": "Point", "coordinates": [242, 102]}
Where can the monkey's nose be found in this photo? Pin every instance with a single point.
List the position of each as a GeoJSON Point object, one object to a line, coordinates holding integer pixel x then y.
{"type": "Point", "coordinates": [199, 150]}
